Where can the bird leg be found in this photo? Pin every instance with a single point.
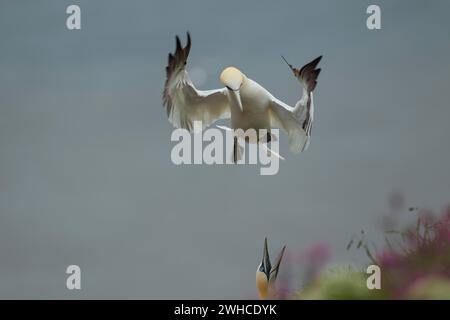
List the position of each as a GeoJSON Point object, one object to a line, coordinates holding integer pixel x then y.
{"type": "Point", "coordinates": [235, 151]}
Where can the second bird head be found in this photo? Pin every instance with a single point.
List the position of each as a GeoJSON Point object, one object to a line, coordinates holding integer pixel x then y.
{"type": "Point", "coordinates": [266, 274]}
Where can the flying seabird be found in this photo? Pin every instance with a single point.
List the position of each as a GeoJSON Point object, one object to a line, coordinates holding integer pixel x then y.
{"type": "Point", "coordinates": [248, 104]}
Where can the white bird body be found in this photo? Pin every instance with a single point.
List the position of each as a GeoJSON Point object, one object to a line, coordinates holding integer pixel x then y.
{"type": "Point", "coordinates": [255, 107]}
{"type": "Point", "coordinates": [243, 100]}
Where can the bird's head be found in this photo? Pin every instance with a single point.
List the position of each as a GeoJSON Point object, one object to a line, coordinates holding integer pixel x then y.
{"type": "Point", "coordinates": [232, 78]}
{"type": "Point", "coordinates": [266, 274]}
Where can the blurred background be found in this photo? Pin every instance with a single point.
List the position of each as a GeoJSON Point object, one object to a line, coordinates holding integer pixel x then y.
{"type": "Point", "coordinates": [85, 170]}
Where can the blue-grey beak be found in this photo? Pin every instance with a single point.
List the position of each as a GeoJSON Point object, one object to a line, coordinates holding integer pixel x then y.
{"type": "Point", "coordinates": [235, 97]}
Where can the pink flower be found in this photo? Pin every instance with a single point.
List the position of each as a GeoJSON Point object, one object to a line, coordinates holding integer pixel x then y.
{"type": "Point", "coordinates": [443, 233]}
{"type": "Point", "coordinates": [388, 259]}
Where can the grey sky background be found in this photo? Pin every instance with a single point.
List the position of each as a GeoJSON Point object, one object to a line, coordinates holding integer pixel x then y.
{"type": "Point", "coordinates": [85, 170]}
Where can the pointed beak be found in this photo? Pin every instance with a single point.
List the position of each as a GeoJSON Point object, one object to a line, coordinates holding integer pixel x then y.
{"type": "Point", "coordinates": [235, 97]}
{"type": "Point", "coordinates": [274, 271]}
{"type": "Point", "coordinates": [266, 260]}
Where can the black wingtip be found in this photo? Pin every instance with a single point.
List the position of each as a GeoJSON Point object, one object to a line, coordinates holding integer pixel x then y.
{"type": "Point", "coordinates": [188, 44]}
{"type": "Point", "coordinates": [315, 62]}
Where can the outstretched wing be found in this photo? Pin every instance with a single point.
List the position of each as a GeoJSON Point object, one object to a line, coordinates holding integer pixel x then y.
{"type": "Point", "coordinates": [297, 121]}
{"type": "Point", "coordinates": [183, 102]}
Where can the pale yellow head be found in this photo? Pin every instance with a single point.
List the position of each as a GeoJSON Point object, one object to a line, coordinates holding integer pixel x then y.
{"type": "Point", "coordinates": [266, 275]}
{"type": "Point", "coordinates": [262, 285]}
{"type": "Point", "coordinates": [232, 78]}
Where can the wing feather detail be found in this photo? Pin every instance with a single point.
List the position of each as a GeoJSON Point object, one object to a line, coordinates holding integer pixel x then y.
{"type": "Point", "coordinates": [297, 121]}
{"type": "Point", "coordinates": [185, 104]}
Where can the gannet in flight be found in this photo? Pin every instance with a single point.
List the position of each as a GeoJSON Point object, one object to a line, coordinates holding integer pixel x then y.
{"type": "Point", "coordinates": [248, 104]}
{"type": "Point", "coordinates": [266, 274]}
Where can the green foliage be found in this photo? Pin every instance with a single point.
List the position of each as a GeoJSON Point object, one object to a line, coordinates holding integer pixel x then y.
{"type": "Point", "coordinates": [343, 283]}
